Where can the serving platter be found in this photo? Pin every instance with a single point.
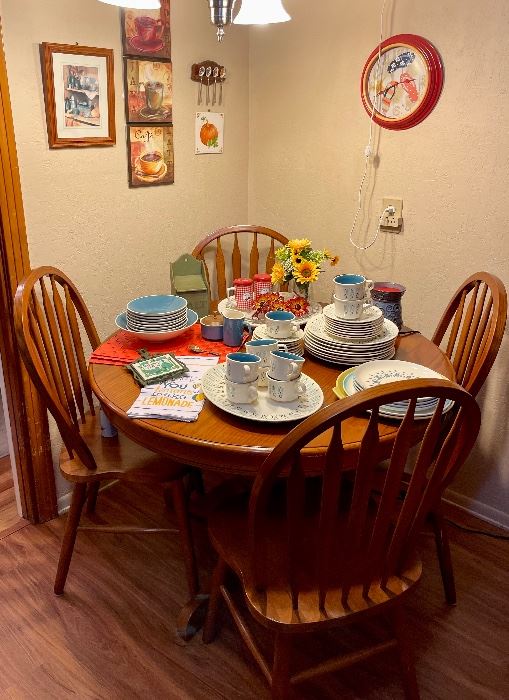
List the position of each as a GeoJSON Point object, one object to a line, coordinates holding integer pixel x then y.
{"type": "Point", "coordinates": [315, 309]}
{"type": "Point", "coordinates": [264, 409]}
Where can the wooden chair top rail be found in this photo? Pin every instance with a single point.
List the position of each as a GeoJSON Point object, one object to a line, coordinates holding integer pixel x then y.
{"type": "Point", "coordinates": [473, 327]}
{"type": "Point", "coordinates": [347, 537]}
{"type": "Point", "coordinates": [220, 271]}
{"type": "Point", "coordinates": [48, 310]}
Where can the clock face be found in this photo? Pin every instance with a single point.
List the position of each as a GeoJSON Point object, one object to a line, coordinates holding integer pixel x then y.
{"type": "Point", "coordinates": [401, 86]}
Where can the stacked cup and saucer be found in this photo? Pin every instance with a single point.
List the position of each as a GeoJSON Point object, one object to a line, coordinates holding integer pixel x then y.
{"type": "Point", "coordinates": [282, 327]}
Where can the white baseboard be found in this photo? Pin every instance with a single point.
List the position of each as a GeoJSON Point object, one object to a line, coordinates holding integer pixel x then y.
{"type": "Point", "coordinates": [480, 510]}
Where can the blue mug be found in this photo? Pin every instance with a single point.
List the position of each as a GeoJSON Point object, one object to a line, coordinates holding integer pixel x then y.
{"type": "Point", "coordinates": [233, 328]}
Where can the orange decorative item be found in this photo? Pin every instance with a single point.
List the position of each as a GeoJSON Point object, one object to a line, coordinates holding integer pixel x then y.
{"type": "Point", "coordinates": [208, 133]}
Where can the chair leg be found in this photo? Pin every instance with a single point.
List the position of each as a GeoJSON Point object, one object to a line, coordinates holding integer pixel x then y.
{"type": "Point", "coordinates": [405, 654]}
{"type": "Point", "coordinates": [186, 540]}
{"type": "Point", "coordinates": [79, 495]}
{"type": "Point", "coordinates": [281, 667]}
{"type": "Point", "coordinates": [444, 554]}
{"type": "Point", "coordinates": [210, 627]}
{"type": "Point", "coordinates": [93, 490]}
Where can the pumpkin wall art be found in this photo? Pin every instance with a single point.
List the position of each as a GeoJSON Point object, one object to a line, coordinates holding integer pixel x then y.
{"type": "Point", "coordinates": [209, 129]}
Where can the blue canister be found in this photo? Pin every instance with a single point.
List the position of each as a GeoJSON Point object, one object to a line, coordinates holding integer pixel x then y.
{"type": "Point", "coordinates": [387, 297]}
{"type": "Point", "coordinates": [233, 328]}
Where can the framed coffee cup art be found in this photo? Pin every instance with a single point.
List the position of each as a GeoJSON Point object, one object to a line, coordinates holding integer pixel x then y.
{"type": "Point", "coordinates": [402, 81]}
{"type": "Point", "coordinates": [150, 155]}
{"type": "Point", "coordinates": [149, 91]}
{"type": "Point", "coordinates": [146, 33]}
{"type": "Point", "coordinates": [79, 95]}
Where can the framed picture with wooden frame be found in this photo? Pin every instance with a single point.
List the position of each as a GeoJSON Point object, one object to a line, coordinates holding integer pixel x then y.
{"type": "Point", "coordinates": [79, 95]}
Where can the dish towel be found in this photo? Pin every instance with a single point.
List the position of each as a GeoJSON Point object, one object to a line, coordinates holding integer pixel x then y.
{"type": "Point", "coordinates": [179, 399]}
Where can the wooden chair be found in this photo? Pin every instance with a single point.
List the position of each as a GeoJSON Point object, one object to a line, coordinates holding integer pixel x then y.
{"type": "Point", "coordinates": [220, 272]}
{"type": "Point", "coordinates": [311, 559]}
{"type": "Point", "coordinates": [49, 316]}
{"type": "Point", "coordinates": [470, 333]}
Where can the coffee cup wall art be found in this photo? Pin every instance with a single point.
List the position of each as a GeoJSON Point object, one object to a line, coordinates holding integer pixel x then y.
{"type": "Point", "coordinates": [146, 33]}
{"type": "Point", "coordinates": [149, 91]}
{"type": "Point", "coordinates": [150, 151]}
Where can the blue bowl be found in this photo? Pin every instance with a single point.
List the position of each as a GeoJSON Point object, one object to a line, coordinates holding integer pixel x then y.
{"type": "Point", "coordinates": [157, 304]}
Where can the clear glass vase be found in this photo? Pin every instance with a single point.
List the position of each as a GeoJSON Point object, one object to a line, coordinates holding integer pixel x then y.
{"type": "Point", "coordinates": [299, 290]}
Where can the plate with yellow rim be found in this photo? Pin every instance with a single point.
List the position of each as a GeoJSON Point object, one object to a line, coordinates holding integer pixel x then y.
{"type": "Point", "coordinates": [338, 390]}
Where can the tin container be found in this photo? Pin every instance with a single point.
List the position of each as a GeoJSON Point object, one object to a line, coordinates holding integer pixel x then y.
{"type": "Point", "coordinates": [212, 327]}
{"type": "Point", "coordinates": [262, 284]}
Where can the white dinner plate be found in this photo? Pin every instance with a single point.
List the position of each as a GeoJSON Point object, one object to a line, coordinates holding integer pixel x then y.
{"type": "Point", "coordinates": [376, 373]}
{"type": "Point", "coordinates": [156, 337]}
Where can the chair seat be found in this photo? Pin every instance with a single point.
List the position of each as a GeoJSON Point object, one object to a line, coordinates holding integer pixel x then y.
{"type": "Point", "coordinates": [117, 458]}
{"type": "Point", "coordinates": [228, 531]}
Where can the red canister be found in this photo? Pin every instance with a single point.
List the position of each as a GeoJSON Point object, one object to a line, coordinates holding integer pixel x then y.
{"type": "Point", "coordinates": [262, 284]}
{"type": "Point", "coordinates": [243, 291]}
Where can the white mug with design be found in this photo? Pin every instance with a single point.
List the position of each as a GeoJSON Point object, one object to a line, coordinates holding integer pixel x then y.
{"type": "Point", "coordinates": [285, 365]}
{"type": "Point", "coordinates": [263, 347]}
{"type": "Point", "coordinates": [348, 287]}
{"type": "Point", "coordinates": [242, 367]}
{"type": "Point", "coordinates": [284, 391]}
{"type": "Point", "coordinates": [349, 309]}
{"type": "Point", "coordinates": [281, 324]}
{"type": "Point", "coordinates": [241, 393]}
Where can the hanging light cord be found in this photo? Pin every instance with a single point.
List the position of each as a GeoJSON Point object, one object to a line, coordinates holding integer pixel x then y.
{"type": "Point", "coordinates": [368, 150]}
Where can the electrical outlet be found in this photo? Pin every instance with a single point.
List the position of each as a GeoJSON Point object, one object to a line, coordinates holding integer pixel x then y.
{"type": "Point", "coordinates": [392, 221]}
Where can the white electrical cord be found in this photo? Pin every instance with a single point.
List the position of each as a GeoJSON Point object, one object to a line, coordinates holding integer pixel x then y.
{"type": "Point", "coordinates": [367, 150]}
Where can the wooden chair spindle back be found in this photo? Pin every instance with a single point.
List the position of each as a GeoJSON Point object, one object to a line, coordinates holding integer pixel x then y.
{"type": "Point", "coordinates": [48, 310]}
{"type": "Point", "coordinates": [472, 327]}
{"type": "Point", "coordinates": [221, 268]}
{"type": "Point", "coordinates": [348, 537]}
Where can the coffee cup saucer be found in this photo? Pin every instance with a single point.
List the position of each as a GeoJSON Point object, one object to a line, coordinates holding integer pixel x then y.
{"type": "Point", "coordinates": [159, 114]}
{"type": "Point", "coordinates": [146, 46]}
{"type": "Point", "coordinates": [146, 176]}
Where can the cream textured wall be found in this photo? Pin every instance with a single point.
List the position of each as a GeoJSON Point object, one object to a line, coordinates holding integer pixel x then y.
{"type": "Point", "coordinates": [116, 242]}
{"type": "Point", "coordinates": [308, 130]}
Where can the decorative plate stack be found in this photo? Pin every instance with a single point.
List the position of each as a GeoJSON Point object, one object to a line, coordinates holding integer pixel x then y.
{"type": "Point", "coordinates": [372, 374]}
{"type": "Point", "coordinates": [350, 342]}
{"type": "Point", "coordinates": [293, 344]}
{"type": "Point", "coordinates": [157, 317]}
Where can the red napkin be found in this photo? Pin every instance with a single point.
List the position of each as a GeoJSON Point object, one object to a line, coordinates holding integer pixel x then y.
{"type": "Point", "coordinates": [122, 348]}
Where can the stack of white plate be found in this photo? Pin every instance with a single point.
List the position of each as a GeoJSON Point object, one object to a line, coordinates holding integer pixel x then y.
{"type": "Point", "coordinates": [373, 374]}
{"type": "Point", "coordinates": [158, 313]}
{"type": "Point", "coordinates": [294, 343]}
{"type": "Point", "coordinates": [368, 326]}
{"type": "Point", "coordinates": [349, 351]}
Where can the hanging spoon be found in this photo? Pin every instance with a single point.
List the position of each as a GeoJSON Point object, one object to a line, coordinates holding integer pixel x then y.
{"type": "Point", "coordinates": [201, 73]}
{"type": "Point", "coordinates": [222, 75]}
{"type": "Point", "coordinates": [215, 75]}
{"type": "Point", "coordinates": [208, 73]}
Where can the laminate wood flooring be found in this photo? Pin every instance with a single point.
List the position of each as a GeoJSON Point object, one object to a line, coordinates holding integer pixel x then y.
{"type": "Point", "coordinates": [111, 636]}
{"type": "Point", "coordinates": [9, 518]}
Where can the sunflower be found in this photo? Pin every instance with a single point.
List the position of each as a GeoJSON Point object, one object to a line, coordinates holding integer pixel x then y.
{"type": "Point", "coordinates": [298, 244]}
{"type": "Point", "coordinates": [278, 273]}
{"type": "Point", "coordinates": [297, 259]}
{"type": "Point", "coordinates": [307, 271]}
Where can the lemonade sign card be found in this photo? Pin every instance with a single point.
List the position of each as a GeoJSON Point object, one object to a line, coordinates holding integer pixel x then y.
{"type": "Point", "coordinates": [209, 130]}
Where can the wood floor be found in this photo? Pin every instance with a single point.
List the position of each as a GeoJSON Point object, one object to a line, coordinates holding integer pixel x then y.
{"type": "Point", "coordinates": [9, 518]}
{"type": "Point", "coordinates": [111, 636]}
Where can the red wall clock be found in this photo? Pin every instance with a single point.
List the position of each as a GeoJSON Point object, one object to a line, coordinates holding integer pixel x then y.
{"type": "Point", "coordinates": [405, 84]}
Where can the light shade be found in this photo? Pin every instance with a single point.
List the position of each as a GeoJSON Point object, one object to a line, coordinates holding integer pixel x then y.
{"type": "Point", "coordinates": [261, 12]}
{"type": "Point", "coordinates": [134, 4]}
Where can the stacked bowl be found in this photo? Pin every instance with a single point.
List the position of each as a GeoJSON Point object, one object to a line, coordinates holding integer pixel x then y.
{"type": "Point", "coordinates": [157, 317]}
{"type": "Point", "coordinates": [157, 313]}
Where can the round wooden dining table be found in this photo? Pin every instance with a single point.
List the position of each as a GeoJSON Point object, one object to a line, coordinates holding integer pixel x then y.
{"type": "Point", "coordinates": [224, 443]}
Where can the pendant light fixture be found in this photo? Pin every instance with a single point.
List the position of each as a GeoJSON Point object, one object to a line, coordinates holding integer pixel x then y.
{"type": "Point", "coordinates": [221, 15]}
{"type": "Point", "coordinates": [134, 4]}
{"type": "Point", "coordinates": [261, 12]}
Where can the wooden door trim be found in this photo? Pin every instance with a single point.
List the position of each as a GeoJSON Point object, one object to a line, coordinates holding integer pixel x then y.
{"type": "Point", "coordinates": [28, 418]}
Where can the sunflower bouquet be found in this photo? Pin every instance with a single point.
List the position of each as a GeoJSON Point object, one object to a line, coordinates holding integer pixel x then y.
{"type": "Point", "coordinates": [298, 261]}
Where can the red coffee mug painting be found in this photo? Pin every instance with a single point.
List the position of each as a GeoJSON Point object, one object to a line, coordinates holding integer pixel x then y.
{"type": "Point", "coordinates": [147, 32]}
